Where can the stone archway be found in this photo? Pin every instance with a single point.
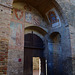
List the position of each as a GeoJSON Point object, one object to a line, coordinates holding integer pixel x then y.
{"type": "Point", "coordinates": [6, 6]}
{"type": "Point", "coordinates": [54, 58]}
{"type": "Point", "coordinates": [38, 32]}
{"type": "Point", "coordinates": [57, 53]}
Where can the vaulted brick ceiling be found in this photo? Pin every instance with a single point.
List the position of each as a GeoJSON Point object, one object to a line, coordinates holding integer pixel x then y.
{"type": "Point", "coordinates": [43, 6]}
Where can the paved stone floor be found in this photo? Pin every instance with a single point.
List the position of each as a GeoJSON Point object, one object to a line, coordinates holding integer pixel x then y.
{"type": "Point", "coordinates": [36, 72]}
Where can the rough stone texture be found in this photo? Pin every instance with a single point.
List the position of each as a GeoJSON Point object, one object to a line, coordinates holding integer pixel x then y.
{"type": "Point", "coordinates": [68, 7]}
{"type": "Point", "coordinates": [72, 37]}
{"type": "Point", "coordinates": [15, 65]}
{"type": "Point", "coordinates": [3, 56]}
{"type": "Point", "coordinates": [5, 15]}
{"type": "Point", "coordinates": [66, 50]}
{"type": "Point", "coordinates": [73, 62]}
{"type": "Point", "coordinates": [7, 3]}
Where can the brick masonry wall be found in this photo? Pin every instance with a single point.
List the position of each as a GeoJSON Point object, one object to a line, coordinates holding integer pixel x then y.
{"type": "Point", "coordinates": [5, 15]}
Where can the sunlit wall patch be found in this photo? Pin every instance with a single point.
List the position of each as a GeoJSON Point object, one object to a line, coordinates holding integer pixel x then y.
{"type": "Point", "coordinates": [53, 18]}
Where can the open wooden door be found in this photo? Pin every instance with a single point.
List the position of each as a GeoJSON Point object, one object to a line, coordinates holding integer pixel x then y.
{"type": "Point", "coordinates": [33, 47]}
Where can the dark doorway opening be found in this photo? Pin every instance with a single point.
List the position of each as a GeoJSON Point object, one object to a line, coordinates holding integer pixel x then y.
{"type": "Point", "coordinates": [33, 47]}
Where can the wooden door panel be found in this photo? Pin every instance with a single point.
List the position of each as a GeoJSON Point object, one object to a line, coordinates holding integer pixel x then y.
{"type": "Point", "coordinates": [33, 47]}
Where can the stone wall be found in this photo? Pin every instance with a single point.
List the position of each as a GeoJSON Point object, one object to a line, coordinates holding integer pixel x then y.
{"type": "Point", "coordinates": [22, 17]}
{"type": "Point", "coordinates": [66, 53]}
{"type": "Point", "coordinates": [72, 37]}
{"type": "Point", "coordinates": [67, 9]}
{"type": "Point", "coordinates": [5, 15]}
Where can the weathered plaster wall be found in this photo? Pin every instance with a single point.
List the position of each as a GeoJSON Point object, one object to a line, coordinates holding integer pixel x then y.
{"type": "Point", "coordinates": [22, 17]}
{"type": "Point", "coordinates": [16, 45]}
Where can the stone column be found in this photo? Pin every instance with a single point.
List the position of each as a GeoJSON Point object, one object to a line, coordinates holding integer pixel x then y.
{"type": "Point", "coordinates": [5, 15]}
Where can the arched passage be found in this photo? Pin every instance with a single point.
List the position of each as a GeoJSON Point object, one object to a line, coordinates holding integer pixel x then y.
{"type": "Point", "coordinates": [55, 37]}
{"type": "Point", "coordinates": [42, 6]}
{"type": "Point", "coordinates": [33, 47]}
{"type": "Point", "coordinates": [55, 56]}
